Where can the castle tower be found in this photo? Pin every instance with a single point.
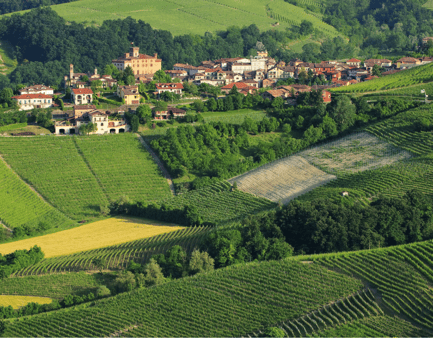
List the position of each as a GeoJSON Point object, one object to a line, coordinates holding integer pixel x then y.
{"type": "Point", "coordinates": [134, 52]}
{"type": "Point", "coordinates": [71, 72]}
{"type": "Point", "coordinates": [96, 71]}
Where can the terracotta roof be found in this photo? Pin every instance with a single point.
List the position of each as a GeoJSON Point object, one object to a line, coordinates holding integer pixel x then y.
{"type": "Point", "coordinates": [239, 85]}
{"type": "Point", "coordinates": [250, 81]}
{"type": "Point", "coordinates": [353, 60]}
{"type": "Point", "coordinates": [32, 96]}
{"type": "Point", "coordinates": [163, 86]}
{"type": "Point", "coordinates": [408, 60]}
{"type": "Point", "coordinates": [36, 88]}
{"type": "Point", "coordinates": [82, 91]}
{"type": "Point", "coordinates": [276, 93]}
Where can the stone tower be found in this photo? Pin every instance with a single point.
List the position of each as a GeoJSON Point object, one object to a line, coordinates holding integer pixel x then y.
{"type": "Point", "coordinates": [71, 72]}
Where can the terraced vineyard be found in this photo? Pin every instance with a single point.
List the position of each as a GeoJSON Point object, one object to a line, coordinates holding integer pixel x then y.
{"type": "Point", "coordinates": [403, 275]}
{"type": "Point", "coordinates": [123, 166]}
{"type": "Point", "coordinates": [354, 153]}
{"type": "Point", "coordinates": [217, 203]}
{"type": "Point", "coordinates": [118, 256]}
{"type": "Point", "coordinates": [405, 78]}
{"type": "Point", "coordinates": [358, 306]}
{"type": "Point", "coordinates": [19, 205]}
{"type": "Point", "coordinates": [282, 180]}
{"type": "Point", "coordinates": [228, 302]}
{"type": "Point", "coordinates": [401, 132]}
{"type": "Point", "coordinates": [77, 175]}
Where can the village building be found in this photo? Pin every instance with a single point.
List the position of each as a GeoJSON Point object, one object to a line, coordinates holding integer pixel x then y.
{"type": "Point", "coordinates": [140, 63]}
{"type": "Point", "coordinates": [82, 96]}
{"type": "Point", "coordinates": [37, 89]}
{"type": "Point", "coordinates": [169, 113]}
{"type": "Point", "coordinates": [176, 73]}
{"type": "Point", "coordinates": [242, 88]}
{"type": "Point", "coordinates": [84, 114]}
{"type": "Point", "coordinates": [191, 70]}
{"type": "Point", "coordinates": [30, 101]}
{"type": "Point", "coordinates": [176, 88]}
{"type": "Point", "coordinates": [354, 62]}
{"type": "Point", "coordinates": [426, 40]}
{"type": "Point", "coordinates": [129, 93]}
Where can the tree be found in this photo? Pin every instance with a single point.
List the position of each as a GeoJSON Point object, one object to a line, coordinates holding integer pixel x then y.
{"type": "Point", "coordinates": [200, 262]}
{"type": "Point", "coordinates": [102, 291]}
{"type": "Point", "coordinates": [306, 27]}
{"type": "Point", "coordinates": [99, 263]}
{"type": "Point", "coordinates": [153, 273]}
{"type": "Point", "coordinates": [278, 249]}
{"type": "Point", "coordinates": [161, 77]}
{"type": "Point", "coordinates": [135, 122]}
{"type": "Point", "coordinates": [274, 332]}
{"type": "Point", "coordinates": [2, 327]}
{"type": "Point", "coordinates": [6, 95]}
{"type": "Point", "coordinates": [211, 104]}
{"type": "Point", "coordinates": [376, 70]}
{"type": "Point", "coordinates": [160, 106]}
{"type": "Point", "coordinates": [125, 282]}
{"type": "Point", "coordinates": [198, 105]}
{"type": "Point", "coordinates": [278, 102]}
{"type": "Point", "coordinates": [130, 80]}
{"type": "Point", "coordinates": [343, 112]}
{"type": "Point", "coordinates": [234, 90]}
{"type": "Point", "coordinates": [144, 113]}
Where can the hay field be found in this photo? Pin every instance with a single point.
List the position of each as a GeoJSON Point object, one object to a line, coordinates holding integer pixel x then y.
{"type": "Point", "coordinates": [92, 236]}
{"type": "Point", "coordinates": [354, 153]}
{"type": "Point", "coordinates": [18, 301]}
{"type": "Point", "coordinates": [282, 180]}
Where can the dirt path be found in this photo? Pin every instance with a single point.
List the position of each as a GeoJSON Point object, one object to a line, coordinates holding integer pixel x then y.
{"type": "Point", "coordinates": [32, 188]}
{"type": "Point", "coordinates": [159, 163]}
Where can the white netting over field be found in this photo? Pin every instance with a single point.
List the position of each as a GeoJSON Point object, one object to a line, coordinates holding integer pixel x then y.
{"type": "Point", "coordinates": [282, 180]}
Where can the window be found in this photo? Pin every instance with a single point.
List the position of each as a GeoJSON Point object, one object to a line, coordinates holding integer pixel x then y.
{"type": "Point", "coordinates": [102, 124]}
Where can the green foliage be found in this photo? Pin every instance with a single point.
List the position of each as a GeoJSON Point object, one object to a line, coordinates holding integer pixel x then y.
{"type": "Point", "coordinates": [274, 332]}
{"type": "Point", "coordinates": [153, 273]}
{"type": "Point", "coordinates": [19, 259]}
{"type": "Point", "coordinates": [125, 282]}
{"type": "Point", "coordinates": [200, 262]}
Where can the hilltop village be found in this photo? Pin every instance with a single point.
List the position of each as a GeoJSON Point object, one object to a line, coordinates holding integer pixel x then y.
{"type": "Point", "coordinates": [259, 74]}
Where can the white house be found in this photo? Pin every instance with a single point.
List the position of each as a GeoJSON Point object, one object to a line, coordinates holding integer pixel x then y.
{"type": "Point", "coordinates": [82, 96]}
{"type": "Point", "coordinates": [37, 89]}
{"type": "Point", "coordinates": [30, 101]}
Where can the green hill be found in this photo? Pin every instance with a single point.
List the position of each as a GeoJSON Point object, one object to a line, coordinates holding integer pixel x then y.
{"type": "Point", "coordinates": [193, 16]}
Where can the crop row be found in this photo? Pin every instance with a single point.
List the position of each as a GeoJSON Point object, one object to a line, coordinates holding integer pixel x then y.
{"type": "Point", "coordinates": [228, 302]}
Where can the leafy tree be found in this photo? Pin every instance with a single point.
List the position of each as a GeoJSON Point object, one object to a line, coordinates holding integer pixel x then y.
{"type": "Point", "coordinates": [102, 291]}
{"type": "Point", "coordinates": [278, 249]}
{"type": "Point", "coordinates": [99, 263]}
{"type": "Point", "coordinates": [135, 123]}
{"type": "Point", "coordinates": [306, 27]}
{"type": "Point", "coordinates": [274, 332]}
{"type": "Point", "coordinates": [125, 282]}
{"type": "Point", "coordinates": [144, 113]}
{"type": "Point", "coordinates": [6, 95]}
{"type": "Point", "coordinates": [2, 327]}
{"type": "Point", "coordinates": [161, 77]}
{"type": "Point", "coordinates": [343, 112]}
{"type": "Point", "coordinates": [211, 104]}
{"type": "Point", "coordinates": [200, 262]}
{"type": "Point", "coordinates": [153, 273]}
{"type": "Point", "coordinates": [234, 90]}
{"type": "Point", "coordinates": [160, 105]}
{"type": "Point", "coordinates": [278, 102]}
{"type": "Point", "coordinates": [198, 105]}
{"type": "Point", "coordinates": [376, 70]}
{"type": "Point", "coordinates": [85, 78]}
{"type": "Point", "coordinates": [130, 80]}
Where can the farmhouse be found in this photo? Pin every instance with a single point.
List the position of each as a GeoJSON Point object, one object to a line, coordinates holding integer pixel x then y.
{"type": "Point", "coordinates": [140, 63]}
{"type": "Point", "coordinates": [170, 112]}
{"type": "Point", "coordinates": [84, 114]}
{"type": "Point", "coordinates": [354, 62]}
{"type": "Point", "coordinates": [129, 93]}
{"type": "Point", "coordinates": [82, 96]}
{"type": "Point", "coordinates": [242, 88]}
{"type": "Point", "coordinates": [175, 88]}
{"type": "Point", "coordinates": [30, 101]}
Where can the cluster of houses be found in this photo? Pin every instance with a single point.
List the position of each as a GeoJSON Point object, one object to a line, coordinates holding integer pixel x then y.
{"type": "Point", "coordinates": [247, 74]}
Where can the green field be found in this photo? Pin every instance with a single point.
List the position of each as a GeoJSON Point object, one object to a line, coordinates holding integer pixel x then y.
{"type": "Point", "coordinates": [78, 174]}
{"type": "Point", "coordinates": [19, 205]}
{"type": "Point", "coordinates": [229, 302]}
{"type": "Point", "coordinates": [7, 63]}
{"type": "Point", "coordinates": [429, 4]}
{"type": "Point", "coordinates": [177, 16]}
{"type": "Point", "coordinates": [405, 78]}
{"type": "Point", "coordinates": [233, 117]}
{"type": "Point", "coordinates": [118, 256]}
{"type": "Point", "coordinates": [55, 286]}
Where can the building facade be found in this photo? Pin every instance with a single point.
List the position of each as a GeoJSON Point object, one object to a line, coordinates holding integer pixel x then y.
{"type": "Point", "coordinates": [140, 63]}
{"type": "Point", "coordinates": [30, 101]}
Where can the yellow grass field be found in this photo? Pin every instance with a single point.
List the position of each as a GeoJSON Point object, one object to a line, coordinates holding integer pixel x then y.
{"type": "Point", "coordinates": [18, 301]}
{"type": "Point", "coordinates": [95, 235]}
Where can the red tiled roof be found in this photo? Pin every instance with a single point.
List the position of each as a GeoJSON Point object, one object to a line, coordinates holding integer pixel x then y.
{"type": "Point", "coordinates": [82, 91]}
{"type": "Point", "coordinates": [32, 96]}
{"type": "Point", "coordinates": [239, 85]}
{"type": "Point", "coordinates": [353, 60]}
{"type": "Point", "coordinates": [163, 86]}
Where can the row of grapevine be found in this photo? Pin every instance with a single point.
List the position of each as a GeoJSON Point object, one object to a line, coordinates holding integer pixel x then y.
{"type": "Point", "coordinates": [358, 306]}
{"type": "Point", "coordinates": [228, 302]}
{"type": "Point", "coordinates": [118, 256]}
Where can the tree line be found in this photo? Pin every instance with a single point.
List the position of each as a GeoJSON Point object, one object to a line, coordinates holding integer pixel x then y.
{"type": "Point", "coordinates": [19, 259]}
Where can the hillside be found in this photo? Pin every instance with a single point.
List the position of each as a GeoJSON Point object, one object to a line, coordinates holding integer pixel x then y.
{"type": "Point", "coordinates": [370, 293]}
{"type": "Point", "coordinates": [207, 15]}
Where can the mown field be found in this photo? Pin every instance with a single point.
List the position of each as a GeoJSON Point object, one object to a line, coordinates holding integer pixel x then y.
{"type": "Point", "coordinates": [405, 78]}
{"type": "Point", "coordinates": [207, 15]}
{"type": "Point", "coordinates": [78, 175]}
{"type": "Point", "coordinates": [19, 301]}
{"type": "Point", "coordinates": [92, 236]}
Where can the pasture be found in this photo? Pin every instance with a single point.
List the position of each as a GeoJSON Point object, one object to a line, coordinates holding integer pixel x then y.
{"type": "Point", "coordinates": [282, 180]}
{"type": "Point", "coordinates": [233, 117]}
{"type": "Point", "coordinates": [7, 63]}
{"type": "Point", "coordinates": [19, 301]}
{"type": "Point", "coordinates": [176, 16]}
{"type": "Point", "coordinates": [92, 236]}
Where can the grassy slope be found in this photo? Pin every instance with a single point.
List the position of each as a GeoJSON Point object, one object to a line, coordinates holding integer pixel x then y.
{"type": "Point", "coordinates": [7, 63]}
{"type": "Point", "coordinates": [177, 15]}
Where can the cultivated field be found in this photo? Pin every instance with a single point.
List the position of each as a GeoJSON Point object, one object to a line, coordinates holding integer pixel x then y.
{"type": "Point", "coordinates": [92, 236]}
{"type": "Point", "coordinates": [233, 117]}
{"type": "Point", "coordinates": [118, 256]}
{"type": "Point", "coordinates": [19, 205]}
{"type": "Point", "coordinates": [282, 180]}
{"type": "Point", "coordinates": [416, 75]}
{"type": "Point", "coordinates": [79, 174]}
{"type": "Point", "coordinates": [18, 301]}
{"type": "Point", "coordinates": [7, 64]}
{"type": "Point", "coordinates": [228, 302]}
{"type": "Point", "coordinates": [354, 153]}
{"type": "Point", "coordinates": [176, 16]}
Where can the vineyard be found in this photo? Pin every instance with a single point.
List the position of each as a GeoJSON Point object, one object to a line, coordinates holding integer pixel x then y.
{"type": "Point", "coordinates": [118, 256]}
{"type": "Point", "coordinates": [402, 275]}
{"type": "Point", "coordinates": [219, 203]}
{"type": "Point", "coordinates": [228, 302]}
{"type": "Point", "coordinates": [405, 78]}
{"type": "Point", "coordinates": [78, 175]}
{"type": "Point", "coordinates": [92, 236]}
{"type": "Point", "coordinates": [54, 286]}
{"type": "Point", "coordinates": [19, 301]}
{"type": "Point", "coordinates": [282, 180]}
{"type": "Point", "coordinates": [19, 205]}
